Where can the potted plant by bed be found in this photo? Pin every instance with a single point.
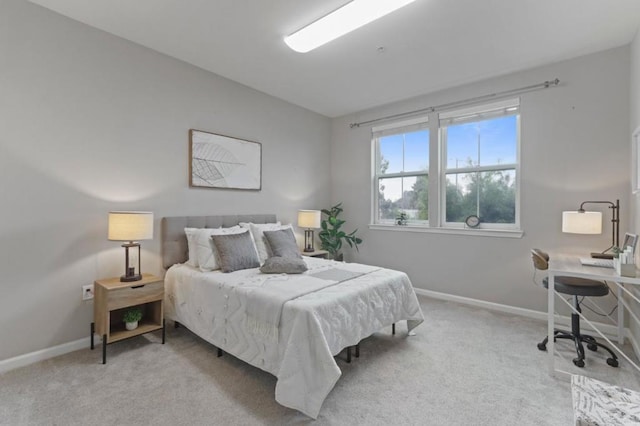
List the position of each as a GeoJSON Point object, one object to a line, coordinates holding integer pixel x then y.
{"type": "Point", "coordinates": [131, 318]}
{"type": "Point", "coordinates": [331, 235]}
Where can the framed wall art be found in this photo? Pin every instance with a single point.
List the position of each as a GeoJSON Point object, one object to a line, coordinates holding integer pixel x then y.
{"type": "Point", "coordinates": [217, 161]}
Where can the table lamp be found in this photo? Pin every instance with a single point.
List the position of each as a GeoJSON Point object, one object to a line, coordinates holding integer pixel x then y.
{"type": "Point", "coordinates": [584, 222]}
{"type": "Point", "coordinates": [309, 219]}
{"type": "Point", "coordinates": [131, 227]}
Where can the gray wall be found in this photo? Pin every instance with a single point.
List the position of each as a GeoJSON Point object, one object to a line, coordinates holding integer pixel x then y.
{"type": "Point", "coordinates": [91, 123]}
{"type": "Point", "coordinates": [575, 147]}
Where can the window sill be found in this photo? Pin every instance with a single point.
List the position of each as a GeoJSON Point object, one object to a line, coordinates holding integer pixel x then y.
{"type": "Point", "coordinates": [499, 233]}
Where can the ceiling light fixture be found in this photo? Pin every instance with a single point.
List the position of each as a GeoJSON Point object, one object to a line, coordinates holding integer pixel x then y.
{"type": "Point", "coordinates": [341, 21]}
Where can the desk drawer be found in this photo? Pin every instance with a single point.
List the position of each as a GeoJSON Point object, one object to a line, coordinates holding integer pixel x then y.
{"type": "Point", "coordinates": [135, 295]}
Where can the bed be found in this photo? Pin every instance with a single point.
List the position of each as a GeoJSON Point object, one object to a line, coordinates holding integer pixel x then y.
{"type": "Point", "coordinates": [352, 301]}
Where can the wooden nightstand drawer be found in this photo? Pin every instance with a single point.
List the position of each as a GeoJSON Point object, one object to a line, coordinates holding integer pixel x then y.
{"type": "Point", "coordinates": [135, 295]}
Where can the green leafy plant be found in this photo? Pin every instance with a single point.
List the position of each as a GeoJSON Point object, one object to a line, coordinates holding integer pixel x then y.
{"type": "Point", "coordinates": [332, 237]}
{"type": "Point", "coordinates": [401, 219]}
{"type": "Point", "coordinates": [132, 315]}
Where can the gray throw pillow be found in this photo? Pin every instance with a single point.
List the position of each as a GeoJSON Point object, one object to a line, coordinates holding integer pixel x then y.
{"type": "Point", "coordinates": [283, 243]}
{"type": "Point", "coordinates": [283, 265]}
{"type": "Point", "coordinates": [236, 251]}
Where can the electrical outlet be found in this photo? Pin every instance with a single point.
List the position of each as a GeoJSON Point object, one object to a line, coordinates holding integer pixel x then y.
{"type": "Point", "coordinates": [87, 292]}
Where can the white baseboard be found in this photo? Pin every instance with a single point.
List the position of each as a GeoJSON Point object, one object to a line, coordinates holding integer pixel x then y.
{"type": "Point", "coordinates": [41, 355]}
{"type": "Point", "coordinates": [609, 330]}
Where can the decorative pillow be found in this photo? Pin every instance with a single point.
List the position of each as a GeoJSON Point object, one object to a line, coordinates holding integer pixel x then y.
{"type": "Point", "coordinates": [283, 243]}
{"type": "Point", "coordinates": [257, 231]}
{"type": "Point", "coordinates": [205, 250]}
{"type": "Point", "coordinates": [283, 265]}
{"type": "Point", "coordinates": [236, 251]}
{"type": "Point", "coordinates": [191, 245]}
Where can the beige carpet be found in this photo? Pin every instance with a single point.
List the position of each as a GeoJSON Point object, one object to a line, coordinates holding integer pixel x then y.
{"type": "Point", "coordinates": [465, 366]}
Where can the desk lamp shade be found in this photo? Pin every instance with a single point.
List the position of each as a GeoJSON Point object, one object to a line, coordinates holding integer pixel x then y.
{"type": "Point", "coordinates": [130, 227]}
{"type": "Point", "coordinates": [309, 219]}
{"type": "Point", "coordinates": [575, 222]}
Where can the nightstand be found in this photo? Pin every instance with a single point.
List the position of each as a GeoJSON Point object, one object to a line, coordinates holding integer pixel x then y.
{"type": "Point", "coordinates": [316, 253]}
{"type": "Point", "coordinates": [113, 298]}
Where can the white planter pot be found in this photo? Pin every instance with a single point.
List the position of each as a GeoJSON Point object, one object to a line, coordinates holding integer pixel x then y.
{"type": "Point", "coordinates": [131, 325]}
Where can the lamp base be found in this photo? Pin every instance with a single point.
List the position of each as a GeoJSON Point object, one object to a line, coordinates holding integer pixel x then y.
{"type": "Point", "coordinates": [602, 256]}
{"type": "Point", "coordinates": [130, 278]}
{"type": "Point", "coordinates": [308, 241]}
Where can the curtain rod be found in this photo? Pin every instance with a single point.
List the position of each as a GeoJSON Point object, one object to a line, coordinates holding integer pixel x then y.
{"type": "Point", "coordinates": [539, 86]}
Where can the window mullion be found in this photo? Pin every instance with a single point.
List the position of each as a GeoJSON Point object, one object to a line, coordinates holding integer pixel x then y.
{"type": "Point", "coordinates": [403, 174]}
{"type": "Point", "coordinates": [435, 177]}
{"type": "Point", "coordinates": [493, 168]}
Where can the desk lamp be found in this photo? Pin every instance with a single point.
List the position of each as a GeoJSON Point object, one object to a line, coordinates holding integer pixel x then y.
{"type": "Point", "coordinates": [131, 227]}
{"type": "Point", "coordinates": [309, 219]}
{"type": "Point", "coordinates": [584, 222]}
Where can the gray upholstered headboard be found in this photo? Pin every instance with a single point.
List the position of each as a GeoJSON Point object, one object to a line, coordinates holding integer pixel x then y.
{"type": "Point", "coordinates": [174, 241]}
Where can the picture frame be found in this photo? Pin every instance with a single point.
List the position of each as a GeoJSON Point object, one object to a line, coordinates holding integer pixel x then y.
{"type": "Point", "coordinates": [224, 162]}
{"type": "Point", "coordinates": [635, 155]}
{"type": "Point", "coordinates": [630, 240]}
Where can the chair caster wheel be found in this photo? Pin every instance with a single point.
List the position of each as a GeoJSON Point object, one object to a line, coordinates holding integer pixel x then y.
{"type": "Point", "coordinates": [580, 362]}
{"type": "Point", "coordinates": [542, 346]}
{"type": "Point", "coordinates": [612, 362]}
{"type": "Point", "coordinates": [592, 347]}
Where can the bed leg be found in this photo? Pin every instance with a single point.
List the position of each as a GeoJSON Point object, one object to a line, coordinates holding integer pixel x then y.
{"type": "Point", "coordinates": [393, 328]}
{"type": "Point", "coordinates": [358, 350]}
{"type": "Point", "coordinates": [93, 330]}
{"type": "Point", "coordinates": [176, 324]}
{"type": "Point", "coordinates": [349, 354]}
{"type": "Point", "coordinates": [220, 352]}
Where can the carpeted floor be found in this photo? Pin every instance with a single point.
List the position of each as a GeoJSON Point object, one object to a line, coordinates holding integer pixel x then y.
{"type": "Point", "coordinates": [465, 366]}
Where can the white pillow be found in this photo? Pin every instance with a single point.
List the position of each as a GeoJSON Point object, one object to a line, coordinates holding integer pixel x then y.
{"type": "Point", "coordinates": [206, 259]}
{"type": "Point", "coordinates": [207, 256]}
{"type": "Point", "coordinates": [257, 230]}
{"type": "Point", "coordinates": [191, 244]}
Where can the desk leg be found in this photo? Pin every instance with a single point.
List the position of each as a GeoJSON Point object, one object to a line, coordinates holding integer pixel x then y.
{"type": "Point", "coordinates": [620, 313]}
{"type": "Point", "coordinates": [550, 323]}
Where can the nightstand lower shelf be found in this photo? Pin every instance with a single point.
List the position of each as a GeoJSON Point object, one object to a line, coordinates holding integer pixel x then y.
{"type": "Point", "coordinates": [122, 333]}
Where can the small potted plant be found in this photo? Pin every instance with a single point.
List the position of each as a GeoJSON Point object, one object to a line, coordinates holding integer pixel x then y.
{"type": "Point", "coordinates": [402, 219]}
{"type": "Point", "coordinates": [131, 318]}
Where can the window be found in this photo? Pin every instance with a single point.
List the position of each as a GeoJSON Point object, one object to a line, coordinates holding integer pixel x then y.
{"type": "Point", "coordinates": [401, 174]}
{"type": "Point", "coordinates": [478, 167]}
{"type": "Point", "coordinates": [480, 152]}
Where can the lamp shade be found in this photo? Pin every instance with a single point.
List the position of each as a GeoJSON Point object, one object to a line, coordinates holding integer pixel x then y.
{"type": "Point", "coordinates": [574, 222]}
{"type": "Point", "coordinates": [309, 219]}
{"type": "Point", "coordinates": [130, 226]}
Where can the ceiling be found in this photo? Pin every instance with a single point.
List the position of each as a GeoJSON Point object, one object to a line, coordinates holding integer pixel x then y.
{"type": "Point", "coordinates": [426, 46]}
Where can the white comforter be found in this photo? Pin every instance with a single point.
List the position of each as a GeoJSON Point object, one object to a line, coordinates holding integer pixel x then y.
{"type": "Point", "coordinates": [312, 328]}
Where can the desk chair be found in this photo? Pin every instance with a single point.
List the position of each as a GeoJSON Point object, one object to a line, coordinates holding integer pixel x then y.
{"type": "Point", "coordinates": [575, 287]}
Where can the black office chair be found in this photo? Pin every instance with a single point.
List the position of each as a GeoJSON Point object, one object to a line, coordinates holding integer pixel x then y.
{"type": "Point", "coordinates": [575, 287]}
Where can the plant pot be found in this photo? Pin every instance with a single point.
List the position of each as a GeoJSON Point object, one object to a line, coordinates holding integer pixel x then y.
{"type": "Point", "coordinates": [131, 325]}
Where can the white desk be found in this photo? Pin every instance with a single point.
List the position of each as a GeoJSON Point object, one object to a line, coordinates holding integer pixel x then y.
{"type": "Point", "coordinates": [562, 265]}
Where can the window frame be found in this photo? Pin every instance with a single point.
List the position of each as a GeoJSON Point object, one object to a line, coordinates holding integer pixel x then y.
{"type": "Point", "coordinates": [467, 115]}
{"type": "Point", "coordinates": [396, 128]}
{"type": "Point", "coordinates": [437, 169]}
